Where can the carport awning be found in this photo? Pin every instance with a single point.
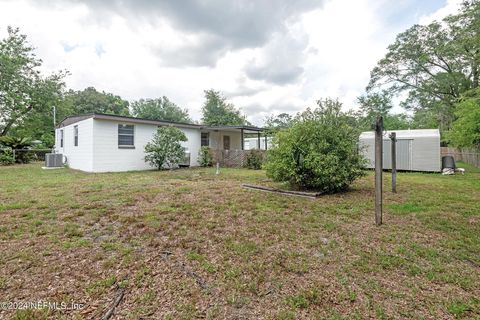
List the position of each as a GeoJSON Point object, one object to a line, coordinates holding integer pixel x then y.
{"type": "Point", "coordinates": [245, 129]}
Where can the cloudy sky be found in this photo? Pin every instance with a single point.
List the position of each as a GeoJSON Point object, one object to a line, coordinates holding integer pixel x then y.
{"type": "Point", "coordinates": [266, 56]}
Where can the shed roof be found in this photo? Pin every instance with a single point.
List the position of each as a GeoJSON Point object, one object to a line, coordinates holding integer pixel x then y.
{"type": "Point", "coordinates": [112, 117]}
{"type": "Point", "coordinates": [404, 134]}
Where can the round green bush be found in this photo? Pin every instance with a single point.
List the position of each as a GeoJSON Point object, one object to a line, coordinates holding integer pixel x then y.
{"type": "Point", "coordinates": [254, 160]}
{"type": "Point", "coordinates": [205, 156]}
{"type": "Point", "coordinates": [319, 152]}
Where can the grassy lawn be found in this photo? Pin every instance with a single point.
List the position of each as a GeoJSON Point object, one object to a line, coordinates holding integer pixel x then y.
{"type": "Point", "coordinates": [188, 244]}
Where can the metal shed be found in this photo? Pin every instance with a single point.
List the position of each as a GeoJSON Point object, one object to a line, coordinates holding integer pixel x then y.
{"type": "Point", "coordinates": [417, 150]}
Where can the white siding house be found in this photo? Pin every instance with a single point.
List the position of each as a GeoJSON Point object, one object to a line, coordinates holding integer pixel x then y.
{"type": "Point", "coordinates": [109, 143]}
{"type": "Point", "coordinates": [78, 156]}
{"type": "Point", "coordinates": [417, 150]}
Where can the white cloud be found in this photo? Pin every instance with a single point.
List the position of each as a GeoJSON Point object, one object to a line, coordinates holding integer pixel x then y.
{"type": "Point", "coordinates": [304, 53]}
{"type": "Point", "coordinates": [451, 7]}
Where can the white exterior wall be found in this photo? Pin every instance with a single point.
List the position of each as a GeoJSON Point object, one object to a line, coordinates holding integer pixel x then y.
{"type": "Point", "coordinates": [107, 156]}
{"type": "Point", "coordinates": [367, 148]}
{"type": "Point", "coordinates": [77, 157]}
{"type": "Point", "coordinates": [216, 139]}
{"type": "Point", "coordinates": [98, 150]}
{"type": "Point", "coordinates": [426, 154]}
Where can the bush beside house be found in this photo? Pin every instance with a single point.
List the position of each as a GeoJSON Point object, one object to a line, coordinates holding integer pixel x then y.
{"type": "Point", "coordinates": [165, 149]}
{"type": "Point", "coordinates": [254, 160]}
{"type": "Point", "coordinates": [205, 156]}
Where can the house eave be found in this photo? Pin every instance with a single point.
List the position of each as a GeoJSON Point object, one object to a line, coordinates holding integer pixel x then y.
{"type": "Point", "coordinates": [126, 119]}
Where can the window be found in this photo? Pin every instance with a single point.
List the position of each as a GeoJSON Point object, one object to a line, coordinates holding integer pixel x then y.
{"type": "Point", "coordinates": [61, 138]}
{"type": "Point", "coordinates": [126, 136]}
{"type": "Point", "coordinates": [75, 136]}
{"type": "Point", "coordinates": [205, 139]}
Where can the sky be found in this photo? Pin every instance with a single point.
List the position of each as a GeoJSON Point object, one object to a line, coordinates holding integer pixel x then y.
{"type": "Point", "coordinates": [266, 56]}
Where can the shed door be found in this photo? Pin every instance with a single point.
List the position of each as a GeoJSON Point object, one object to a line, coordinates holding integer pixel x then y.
{"type": "Point", "coordinates": [404, 154]}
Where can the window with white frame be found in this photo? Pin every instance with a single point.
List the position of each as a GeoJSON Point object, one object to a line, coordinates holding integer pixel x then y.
{"type": "Point", "coordinates": [75, 136]}
{"type": "Point", "coordinates": [126, 136]}
{"type": "Point", "coordinates": [205, 139]}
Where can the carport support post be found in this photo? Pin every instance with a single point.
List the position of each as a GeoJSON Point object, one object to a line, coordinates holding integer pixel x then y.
{"type": "Point", "coordinates": [265, 140]}
{"type": "Point", "coordinates": [243, 141]}
{"type": "Point", "coordinates": [378, 169]}
{"type": "Point", "coordinates": [258, 136]}
{"type": "Point", "coordinates": [393, 137]}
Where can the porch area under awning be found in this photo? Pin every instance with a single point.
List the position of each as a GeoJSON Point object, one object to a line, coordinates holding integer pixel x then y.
{"type": "Point", "coordinates": [232, 137]}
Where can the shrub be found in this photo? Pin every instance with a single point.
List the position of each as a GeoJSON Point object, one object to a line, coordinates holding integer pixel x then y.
{"type": "Point", "coordinates": [254, 160]}
{"type": "Point", "coordinates": [18, 143]}
{"type": "Point", "coordinates": [319, 151]}
{"type": "Point", "coordinates": [6, 157]}
{"type": "Point", "coordinates": [165, 149]}
{"type": "Point", "coordinates": [205, 156]}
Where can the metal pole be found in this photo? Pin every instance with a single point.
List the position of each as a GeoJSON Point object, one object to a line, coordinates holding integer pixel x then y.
{"type": "Point", "coordinates": [378, 169]}
{"type": "Point", "coordinates": [241, 131]}
{"type": "Point", "coordinates": [393, 137]}
{"type": "Point", "coordinates": [258, 136]}
{"type": "Point", "coordinates": [265, 140]}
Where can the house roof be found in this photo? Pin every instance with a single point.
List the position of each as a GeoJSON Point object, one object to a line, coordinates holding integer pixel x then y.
{"type": "Point", "coordinates": [102, 116]}
{"type": "Point", "coordinates": [404, 134]}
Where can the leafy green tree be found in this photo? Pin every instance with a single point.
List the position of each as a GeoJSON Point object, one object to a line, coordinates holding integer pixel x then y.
{"type": "Point", "coordinates": [90, 100]}
{"type": "Point", "coordinates": [217, 111]}
{"type": "Point", "coordinates": [319, 151]}
{"type": "Point", "coordinates": [160, 109]}
{"type": "Point", "coordinates": [466, 129]}
{"type": "Point", "coordinates": [40, 126]}
{"type": "Point", "coordinates": [165, 150]}
{"type": "Point", "coordinates": [24, 92]}
{"type": "Point", "coordinates": [433, 64]}
{"type": "Point", "coordinates": [279, 122]}
{"type": "Point", "coordinates": [377, 104]}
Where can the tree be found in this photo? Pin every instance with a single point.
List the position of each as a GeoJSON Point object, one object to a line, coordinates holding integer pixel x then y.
{"type": "Point", "coordinates": [434, 64]}
{"type": "Point", "coordinates": [465, 131]}
{"type": "Point", "coordinates": [377, 104]}
{"type": "Point", "coordinates": [165, 150]}
{"type": "Point", "coordinates": [160, 109]}
{"type": "Point", "coordinates": [90, 100]}
{"type": "Point", "coordinates": [24, 92]}
{"type": "Point", "coordinates": [318, 152]}
{"type": "Point", "coordinates": [279, 122]}
{"type": "Point", "coordinates": [218, 112]}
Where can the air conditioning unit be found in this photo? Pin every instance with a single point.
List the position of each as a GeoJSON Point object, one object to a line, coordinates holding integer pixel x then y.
{"type": "Point", "coordinates": [185, 162]}
{"type": "Point", "coordinates": [53, 160]}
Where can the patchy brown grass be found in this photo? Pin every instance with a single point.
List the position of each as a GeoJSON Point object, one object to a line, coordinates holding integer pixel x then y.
{"type": "Point", "coordinates": [188, 244]}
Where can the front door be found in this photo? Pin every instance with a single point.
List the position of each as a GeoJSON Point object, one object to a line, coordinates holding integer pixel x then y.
{"type": "Point", "coordinates": [226, 142]}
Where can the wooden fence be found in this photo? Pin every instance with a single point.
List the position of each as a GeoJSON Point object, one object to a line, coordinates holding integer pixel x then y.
{"type": "Point", "coordinates": [470, 156]}
{"type": "Point", "coordinates": [233, 158]}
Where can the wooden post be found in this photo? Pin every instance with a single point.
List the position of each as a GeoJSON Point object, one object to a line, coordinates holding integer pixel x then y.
{"type": "Point", "coordinates": [393, 137]}
{"type": "Point", "coordinates": [378, 169]}
{"type": "Point", "coordinates": [243, 141]}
